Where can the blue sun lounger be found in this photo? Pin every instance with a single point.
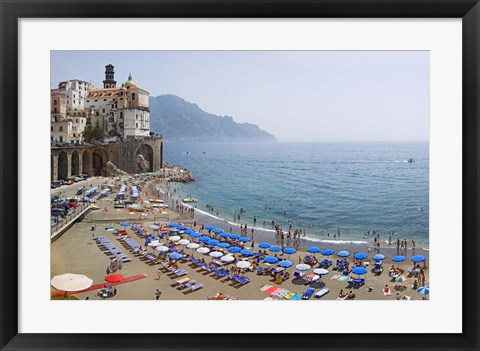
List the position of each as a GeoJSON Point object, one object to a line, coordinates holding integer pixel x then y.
{"type": "Point", "coordinates": [308, 294]}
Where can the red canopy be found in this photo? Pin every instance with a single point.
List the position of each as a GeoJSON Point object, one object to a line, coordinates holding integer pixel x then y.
{"type": "Point", "coordinates": [114, 278]}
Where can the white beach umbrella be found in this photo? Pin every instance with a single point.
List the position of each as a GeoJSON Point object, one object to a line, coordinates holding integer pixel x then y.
{"type": "Point", "coordinates": [174, 238]}
{"type": "Point", "coordinates": [154, 243]}
{"type": "Point", "coordinates": [216, 254]}
{"type": "Point", "coordinates": [193, 246]}
{"type": "Point", "coordinates": [162, 248]}
{"type": "Point", "coordinates": [203, 250]}
{"type": "Point", "coordinates": [227, 258]}
{"type": "Point", "coordinates": [184, 242]}
{"type": "Point", "coordinates": [243, 264]}
{"type": "Point", "coordinates": [303, 267]}
{"type": "Point", "coordinates": [320, 271]}
{"type": "Point", "coordinates": [71, 282]}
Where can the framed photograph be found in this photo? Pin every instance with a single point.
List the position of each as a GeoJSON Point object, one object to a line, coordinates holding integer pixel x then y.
{"type": "Point", "coordinates": [313, 164]}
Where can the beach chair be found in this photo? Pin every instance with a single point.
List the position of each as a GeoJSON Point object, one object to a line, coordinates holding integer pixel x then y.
{"type": "Point", "coordinates": [358, 282]}
{"type": "Point", "coordinates": [196, 287]}
{"type": "Point", "coordinates": [244, 280]}
{"type": "Point", "coordinates": [308, 294]}
{"type": "Point", "coordinates": [298, 275]}
{"type": "Point", "coordinates": [322, 293]}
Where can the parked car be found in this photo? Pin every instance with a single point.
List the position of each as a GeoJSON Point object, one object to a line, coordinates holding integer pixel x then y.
{"type": "Point", "coordinates": [62, 182]}
{"type": "Point", "coordinates": [69, 182]}
{"type": "Point", "coordinates": [78, 179]}
{"type": "Point", "coordinates": [85, 176]}
{"type": "Point", "coordinates": [53, 186]}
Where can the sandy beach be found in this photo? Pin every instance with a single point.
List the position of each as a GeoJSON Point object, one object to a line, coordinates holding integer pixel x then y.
{"type": "Point", "coordinates": [77, 251]}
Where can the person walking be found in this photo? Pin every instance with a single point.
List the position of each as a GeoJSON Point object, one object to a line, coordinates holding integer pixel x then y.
{"type": "Point", "coordinates": [158, 293]}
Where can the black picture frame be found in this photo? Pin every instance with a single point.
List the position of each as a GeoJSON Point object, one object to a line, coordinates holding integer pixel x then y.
{"type": "Point", "coordinates": [12, 11]}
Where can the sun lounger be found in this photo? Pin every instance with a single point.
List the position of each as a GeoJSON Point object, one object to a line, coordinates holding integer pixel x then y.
{"type": "Point", "coordinates": [325, 263]}
{"type": "Point", "coordinates": [308, 294]}
{"type": "Point", "coordinates": [321, 293]}
{"type": "Point", "coordinates": [196, 287]}
{"type": "Point", "coordinates": [296, 297]}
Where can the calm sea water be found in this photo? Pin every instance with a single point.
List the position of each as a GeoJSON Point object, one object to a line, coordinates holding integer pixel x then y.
{"type": "Point", "coordinates": [357, 187]}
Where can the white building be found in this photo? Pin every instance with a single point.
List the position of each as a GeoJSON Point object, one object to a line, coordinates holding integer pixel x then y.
{"type": "Point", "coordinates": [74, 91]}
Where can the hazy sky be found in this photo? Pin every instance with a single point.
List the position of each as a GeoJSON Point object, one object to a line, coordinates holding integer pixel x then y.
{"type": "Point", "coordinates": [295, 95]}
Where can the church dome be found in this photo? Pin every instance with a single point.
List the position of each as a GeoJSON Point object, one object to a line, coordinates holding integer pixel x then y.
{"type": "Point", "coordinates": [129, 81]}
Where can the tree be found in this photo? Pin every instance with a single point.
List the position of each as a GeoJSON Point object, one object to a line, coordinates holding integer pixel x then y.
{"type": "Point", "coordinates": [97, 132]}
{"type": "Point", "coordinates": [88, 133]}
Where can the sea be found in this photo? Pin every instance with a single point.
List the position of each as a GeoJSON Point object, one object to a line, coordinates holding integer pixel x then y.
{"type": "Point", "coordinates": [336, 192]}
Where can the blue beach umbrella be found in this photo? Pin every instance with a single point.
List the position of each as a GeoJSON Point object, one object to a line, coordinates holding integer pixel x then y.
{"type": "Point", "coordinates": [234, 249]}
{"type": "Point", "coordinates": [328, 252]}
{"type": "Point", "coordinates": [343, 253]}
{"type": "Point", "coordinates": [212, 242]}
{"type": "Point", "coordinates": [246, 252]}
{"type": "Point", "coordinates": [210, 227]}
{"type": "Point", "coordinates": [235, 236]}
{"type": "Point", "coordinates": [125, 224]}
{"type": "Point", "coordinates": [418, 258]}
{"type": "Point", "coordinates": [189, 231]}
{"type": "Point", "coordinates": [398, 258]}
{"type": "Point", "coordinates": [217, 230]}
{"type": "Point", "coordinates": [423, 290]}
{"type": "Point", "coordinates": [378, 257]}
{"type": "Point", "coordinates": [224, 245]}
{"type": "Point", "coordinates": [289, 250]}
{"type": "Point", "coordinates": [360, 255]}
{"type": "Point", "coordinates": [173, 224]}
{"type": "Point", "coordinates": [275, 249]}
{"type": "Point", "coordinates": [196, 235]}
{"type": "Point", "coordinates": [270, 259]}
{"type": "Point", "coordinates": [359, 270]}
{"type": "Point", "coordinates": [204, 238]}
{"type": "Point", "coordinates": [285, 264]}
{"type": "Point", "coordinates": [225, 235]}
{"type": "Point", "coordinates": [182, 227]}
{"type": "Point", "coordinates": [313, 249]}
{"type": "Point", "coordinates": [244, 239]}
{"type": "Point", "coordinates": [175, 256]}
{"type": "Point", "coordinates": [264, 245]}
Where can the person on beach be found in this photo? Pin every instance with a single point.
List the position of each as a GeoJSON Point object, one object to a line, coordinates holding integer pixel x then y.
{"type": "Point", "coordinates": [158, 293]}
{"type": "Point", "coordinates": [342, 294]}
{"type": "Point", "coordinates": [350, 295]}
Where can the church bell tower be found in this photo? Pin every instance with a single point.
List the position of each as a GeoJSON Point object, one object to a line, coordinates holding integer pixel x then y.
{"type": "Point", "coordinates": [109, 81]}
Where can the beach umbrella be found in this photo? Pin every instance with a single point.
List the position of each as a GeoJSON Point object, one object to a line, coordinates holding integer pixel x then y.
{"type": "Point", "coordinates": [225, 235]}
{"type": "Point", "coordinates": [289, 250]}
{"type": "Point", "coordinates": [212, 242]}
{"type": "Point", "coordinates": [313, 249]}
{"type": "Point", "coordinates": [275, 249]}
{"type": "Point", "coordinates": [246, 252]}
{"type": "Point", "coordinates": [227, 258]}
{"type": "Point", "coordinates": [173, 229]}
{"type": "Point", "coordinates": [328, 252]}
{"type": "Point", "coordinates": [114, 278]}
{"type": "Point", "coordinates": [182, 227]}
{"type": "Point", "coordinates": [196, 235]}
{"type": "Point", "coordinates": [423, 290]}
{"type": "Point", "coordinates": [216, 254]}
{"type": "Point", "coordinates": [174, 238]}
{"type": "Point", "coordinates": [243, 264]}
{"type": "Point", "coordinates": [71, 282]}
{"type": "Point", "coordinates": [125, 224]}
{"type": "Point", "coordinates": [173, 224]}
{"type": "Point", "coordinates": [203, 250]}
{"type": "Point", "coordinates": [285, 263]}
{"type": "Point", "coordinates": [398, 258]}
{"type": "Point", "coordinates": [402, 279]}
{"type": "Point", "coordinates": [264, 245]}
{"type": "Point", "coordinates": [360, 255]}
{"type": "Point", "coordinates": [154, 227]}
{"type": "Point", "coordinates": [320, 271]}
{"type": "Point", "coordinates": [189, 231]}
{"type": "Point", "coordinates": [244, 239]}
{"type": "Point", "coordinates": [162, 248]}
{"type": "Point", "coordinates": [184, 242]}
{"type": "Point", "coordinates": [235, 236]}
{"type": "Point", "coordinates": [343, 253]}
{"type": "Point", "coordinates": [224, 245]}
{"type": "Point", "coordinates": [359, 271]}
{"type": "Point", "coordinates": [204, 238]}
{"type": "Point", "coordinates": [217, 230]}
{"type": "Point", "coordinates": [418, 258]}
{"type": "Point", "coordinates": [378, 257]}
{"type": "Point", "coordinates": [154, 243]}
{"type": "Point", "coordinates": [210, 227]}
{"type": "Point", "coordinates": [175, 256]}
{"type": "Point", "coordinates": [234, 249]}
{"type": "Point", "coordinates": [302, 267]}
{"type": "Point", "coordinates": [270, 259]}
{"type": "Point", "coordinates": [193, 246]}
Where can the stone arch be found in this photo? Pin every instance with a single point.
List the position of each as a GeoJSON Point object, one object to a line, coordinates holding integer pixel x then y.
{"type": "Point", "coordinates": [62, 165]}
{"type": "Point", "coordinates": [99, 160]}
{"type": "Point", "coordinates": [144, 151]}
{"type": "Point", "coordinates": [75, 163]}
{"type": "Point", "coordinates": [87, 161]}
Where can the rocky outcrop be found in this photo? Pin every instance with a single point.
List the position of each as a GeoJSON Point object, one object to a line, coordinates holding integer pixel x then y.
{"type": "Point", "coordinates": [112, 170]}
{"type": "Point", "coordinates": [176, 174]}
{"type": "Point", "coordinates": [142, 164]}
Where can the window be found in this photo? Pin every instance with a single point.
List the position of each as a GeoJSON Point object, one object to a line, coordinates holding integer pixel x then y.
{"type": "Point", "coordinates": [136, 125]}
{"type": "Point", "coordinates": [55, 110]}
{"type": "Point", "coordinates": [133, 96]}
{"type": "Point", "coordinates": [121, 98]}
{"type": "Point", "coordinates": [61, 138]}
{"type": "Point", "coordinates": [104, 99]}
{"type": "Point", "coordinates": [88, 100]}
{"type": "Point", "coordinates": [55, 102]}
{"type": "Point", "coordinates": [51, 129]}
{"type": "Point", "coordinates": [96, 100]}
{"type": "Point", "coordinates": [121, 115]}
{"type": "Point", "coordinates": [60, 128]}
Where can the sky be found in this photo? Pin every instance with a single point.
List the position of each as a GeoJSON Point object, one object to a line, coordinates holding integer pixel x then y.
{"type": "Point", "coordinates": [298, 96]}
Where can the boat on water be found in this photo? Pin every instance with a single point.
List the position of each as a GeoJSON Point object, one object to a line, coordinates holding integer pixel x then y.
{"type": "Point", "coordinates": [411, 160]}
{"type": "Point", "coordinates": [190, 199]}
